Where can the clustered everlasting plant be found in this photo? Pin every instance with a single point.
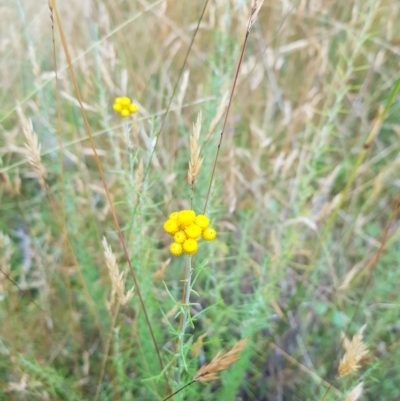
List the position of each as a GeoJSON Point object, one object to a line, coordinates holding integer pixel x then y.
{"type": "Point", "coordinates": [187, 229]}
{"type": "Point", "coordinates": [124, 107]}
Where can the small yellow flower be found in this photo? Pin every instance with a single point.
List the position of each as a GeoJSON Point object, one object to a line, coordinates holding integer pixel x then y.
{"type": "Point", "coordinates": [202, 221]}
{"type": "Point", "coordinates": [173, 215]}
{"type": "Point", "coordinates": [125, 101]}
{"type": "Point", "coordinates": [117, 107]}
{"type": "Point", "coordinates": [133, 108]}
{"type": "Point", "coordinates": [124, 113]}
{"type": "Point", "coordinates": [171, 226]}
{"type": "Point", "coordinates": [180, 237]}
{"type": "Point", "coordinates": [186, 218]}
{"type": "Point", "coordinates": [190, 246]}
{"type": "Point", "coordinates": [209, 234]}
{"type": "Point", "coordinates": [193, 231]}
{"type": "Point", "coordinates": [176, 249]}
{"type": "Point", "coordinates": [124, 107]}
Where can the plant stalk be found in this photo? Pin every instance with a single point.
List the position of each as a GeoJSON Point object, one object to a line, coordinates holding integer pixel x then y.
{"type": "Point", "coordinates": [186, 311]}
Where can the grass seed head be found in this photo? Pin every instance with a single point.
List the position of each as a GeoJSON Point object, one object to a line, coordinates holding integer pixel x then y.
{"type": "Point", "coordinates": [195, 159]}
{"type": "Point", "coordinates": [33, 147]}
{"type": "Point", "coordinates": [220, 362]}
{"type": "Point", "coordinates": [355, 351]}
{"type": "Point", "coordinates": [117, 277]}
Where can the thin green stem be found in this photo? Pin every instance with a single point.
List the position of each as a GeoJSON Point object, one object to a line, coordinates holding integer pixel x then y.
{"type": "Point", "coordinates": [131, 163]}
{"type": "Point", "coordinates": [105, 357]}
{"type": "Point", "coordinates": [186, 312]}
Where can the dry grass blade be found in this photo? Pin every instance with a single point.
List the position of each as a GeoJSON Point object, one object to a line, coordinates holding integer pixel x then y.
{"type": "Point", "coordinates": [220, 362]}
{"type": "Point", "coordinates": [355, 351]}
{"type": "Point", "coordinates": [117, 277]}
{"type": "Point", "coordinates": [255, 9]}
{"type": "Point", "coordinates": [218, 115]}
{"type": "Point", "coordinates": [355, 394]}
{"type": "Point", "coordinates": [195, 159]}
{"type": "Point", "coordinates": [32, 148]}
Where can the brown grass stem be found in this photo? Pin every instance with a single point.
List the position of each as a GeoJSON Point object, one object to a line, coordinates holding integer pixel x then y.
{"type": "Point", "coordinates": [254, 10]}
{"type": "Point", "coordinates": [178, 391]}
{"type": "Point", "coordinates": [98, 163]}
{"type": "Point", "coordinates": [305, 369]}
{"type": "Point", "coordinates": [375, 261]}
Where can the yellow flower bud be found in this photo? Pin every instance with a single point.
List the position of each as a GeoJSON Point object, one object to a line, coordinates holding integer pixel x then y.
{"type": "Point", "coordinates": [175, 249]}
{"type": "Point", "coordinates": [190, 246]}
{"type": "Point", "coordinates": [209, 234]}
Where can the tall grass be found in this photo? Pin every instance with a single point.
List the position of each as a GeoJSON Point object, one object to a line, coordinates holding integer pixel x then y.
{"type": "Point", "coordinates": [304, 199]}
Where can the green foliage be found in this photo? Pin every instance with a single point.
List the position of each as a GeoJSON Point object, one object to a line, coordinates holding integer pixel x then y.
{"type": "Point", "coordinates": [293, 264]}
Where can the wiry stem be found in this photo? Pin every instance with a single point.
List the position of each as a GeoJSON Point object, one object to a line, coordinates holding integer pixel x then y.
{"type": "Point", "coordinates": [107, 350]}
{"type": "Point", "coordinates": [100, 169]}
{"type": "Point", "coordinates": [129, 147]}
{"type": "Point", "coordinates": [227, 111]}
{"type": "Point", "coordinates": [175, 87]}
{"type": "Point", "coordinates": [177, 391]}
{"type": "Point", "coordinates": [186, 310]}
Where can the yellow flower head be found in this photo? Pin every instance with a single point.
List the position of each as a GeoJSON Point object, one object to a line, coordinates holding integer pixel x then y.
{"type": "Point", "coordinates": [171, 226]}
{"type": "Point", "coordinates": [187, 229]}
{"type": "Point", "coordinates": [180, 237]}
{"type": "Point", "coordinates": [176, 249]}
{"type": "Point", "coordinates": [190, 246]}
{"type": "Point", "coordinates": [202, 221]}
{"type": "Point", "coordinates": [193, 231]}
{"type": "Point", "coordinates": [209, 234]}
{"type": "Point", "coordinates": [186, 218]}
{"type": "Point", "coordinates": [124, 107]}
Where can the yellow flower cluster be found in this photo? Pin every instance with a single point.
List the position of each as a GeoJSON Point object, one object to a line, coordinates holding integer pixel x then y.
{"type": "Point", "coordinates": [123, 106]}
{"type": "Point", "coordinates": [187, 229]}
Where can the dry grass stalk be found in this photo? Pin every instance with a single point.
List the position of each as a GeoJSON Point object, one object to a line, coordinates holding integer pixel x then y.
{"type": "Point", "coordinates": [117, 277]}
{"type": "Point", "coordinates": [139, 175]}
{"type": "Point", "coordinates": [32, 148]}
{"type": "Point", "coordinates": [160, 273]}
{"type": "Point", "coordinates": [198, 345]}
{"type": "Point", "coordinates": [5, 257]}
{"type": "Point", "coordinates": [255, 8]}
{"type": "Point", "coordinates": [218, 115]}
{"type": "Point", "coordinates": [355, 394]}
{"type": "Point", "coordinates": [195, 160]}
{"type": "Point", "coordinates": [355, 351]}
{"type": "Point", "coordinates": [5, 180]}
{"type": "Point", "coordinates": [220, 362]}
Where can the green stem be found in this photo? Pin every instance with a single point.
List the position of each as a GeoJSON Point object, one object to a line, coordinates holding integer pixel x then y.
{"type": "Point", "coordinates": [131, 162]}
{"type": "Point", "coordinates": [186, 312]}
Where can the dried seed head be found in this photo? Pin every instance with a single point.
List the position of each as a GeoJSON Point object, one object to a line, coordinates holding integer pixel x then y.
{"type": "Point", "coordinates": [198, 345]}
{"type": "Point", "coordinates": [32, 147]}
{"type": "Point", "coordinates": [195, 160]}
{"type": "Point", "coordinates": [220, 362]}
{"type": "Point", "coordinates": [117, 278]}
{"type": "Point", "coordinates": [355, 351]}
{"type": "Point", "coordinates": [355, 394]}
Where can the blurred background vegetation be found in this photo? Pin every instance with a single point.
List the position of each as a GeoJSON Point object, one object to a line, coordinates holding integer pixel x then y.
{"type": "Point", "coordinates": [304, 197]}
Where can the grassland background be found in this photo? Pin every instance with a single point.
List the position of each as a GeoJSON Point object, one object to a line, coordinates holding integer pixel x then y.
{"type": "Point", "coordinates": [293, 264]}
